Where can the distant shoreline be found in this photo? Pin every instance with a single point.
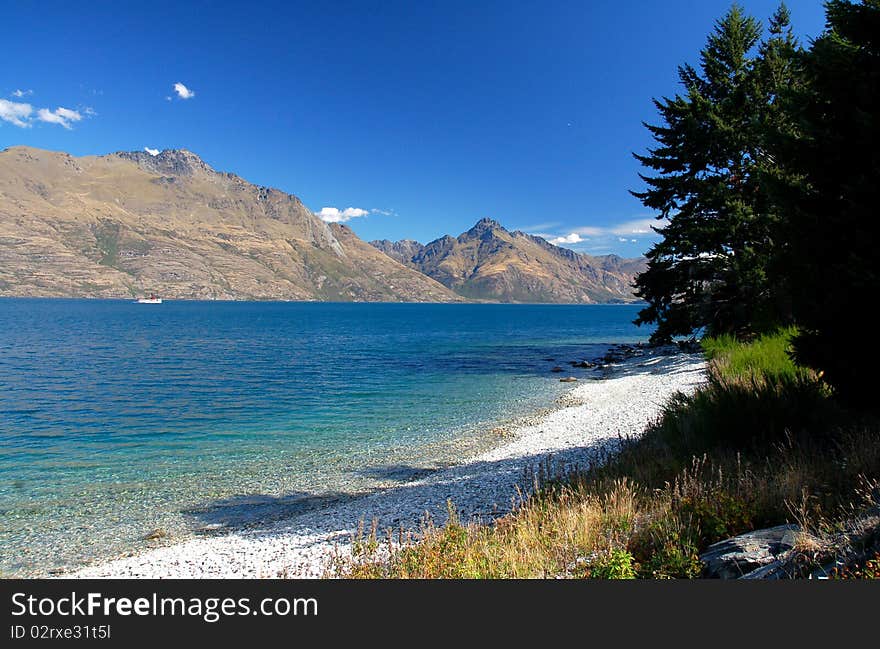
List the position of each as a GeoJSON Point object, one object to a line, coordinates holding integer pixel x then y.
{"type": "Point", "coordinates": [618, 401]}
{"type": "Point", "coordinates": [282, 301]}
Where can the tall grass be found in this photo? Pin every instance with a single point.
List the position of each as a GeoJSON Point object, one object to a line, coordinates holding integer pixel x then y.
{"type": "Point", "coordinates": [766, 358]}
{"type": "Point", "coordinates": [762, 444]}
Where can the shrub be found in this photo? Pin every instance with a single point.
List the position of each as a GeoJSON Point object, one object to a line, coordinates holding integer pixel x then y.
{"type": "Point", "coordinates": [616, 564]}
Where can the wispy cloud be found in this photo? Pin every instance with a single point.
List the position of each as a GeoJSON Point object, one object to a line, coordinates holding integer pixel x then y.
{"type": "Point", "coordinates": [21, 93]}
{"type": "Point", "coordinates": [638, 226]}
{"type": "Point", "coordinates": [152, 152]}
{"type": "Point", "coordinates": [335, 215]}
{"type": "Point", "coordinates": [540, 227]}
{"type": "Point", "coordinates": [627, 232]}
{"type": "Point", "coordinates": [16, 113]}
{"type": "Point", "coordinates": [61, 116]}
{"type": "Point", "coordinates": [183, 92]}
{"type": "Point", "coordinates": [627, 228]}
{"type": "Point", "coordinates": [383, 212]}
{"type": "Point", "coordinates": [23, 114]}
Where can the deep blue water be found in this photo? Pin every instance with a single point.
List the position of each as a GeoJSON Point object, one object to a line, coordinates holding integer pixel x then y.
{"type": "Point", "coordinates": [118, 418]}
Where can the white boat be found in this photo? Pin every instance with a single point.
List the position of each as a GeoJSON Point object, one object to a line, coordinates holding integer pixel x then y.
{"type": "Point", "coordinates": [153, 299]}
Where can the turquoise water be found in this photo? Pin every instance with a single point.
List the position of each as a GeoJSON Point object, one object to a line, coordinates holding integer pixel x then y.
{"type": "Point", "coordinates": [117, 418]}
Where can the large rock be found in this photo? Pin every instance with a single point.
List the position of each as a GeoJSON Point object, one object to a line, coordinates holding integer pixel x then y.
{"type": "Point", "coordinates": [736, 557]}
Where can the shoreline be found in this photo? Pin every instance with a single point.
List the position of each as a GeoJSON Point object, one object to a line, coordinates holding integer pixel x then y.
{"type": "Point", "coordinates": [587, 419]}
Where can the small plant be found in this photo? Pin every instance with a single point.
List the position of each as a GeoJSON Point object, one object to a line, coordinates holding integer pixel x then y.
{"type": "Point", "coordinates": [616, 564]}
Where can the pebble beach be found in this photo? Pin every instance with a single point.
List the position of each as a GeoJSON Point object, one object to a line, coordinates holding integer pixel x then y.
{"type": "Point", "coordinates": [618, 401]}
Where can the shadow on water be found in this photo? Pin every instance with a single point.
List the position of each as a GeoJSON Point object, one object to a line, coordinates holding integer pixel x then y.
{"type": "Point", "coordinates": [670, 364]}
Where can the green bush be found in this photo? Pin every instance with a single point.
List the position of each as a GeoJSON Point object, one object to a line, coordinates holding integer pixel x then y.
{"type": "Point", "coordinates": [616, 564]}
{"type": "Point", "coordinates": [746, 414]}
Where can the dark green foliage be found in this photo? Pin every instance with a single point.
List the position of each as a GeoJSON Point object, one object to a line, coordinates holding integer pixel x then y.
{"type": "Point", "coordinates": [767, 169]}
{"type": "Point", "coordinates": [713, 152]}
{"type": "Point", "coordinates": [834, 171]}
{"type": "Point", "coordinates": [747, 414]}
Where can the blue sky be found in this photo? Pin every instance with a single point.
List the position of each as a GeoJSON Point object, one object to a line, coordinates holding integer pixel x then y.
{"type": "Point", "coordinates": [409, 119]}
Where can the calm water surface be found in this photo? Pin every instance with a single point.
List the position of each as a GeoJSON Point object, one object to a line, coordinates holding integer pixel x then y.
{"type": "Point", "coordinates": [118, 418]}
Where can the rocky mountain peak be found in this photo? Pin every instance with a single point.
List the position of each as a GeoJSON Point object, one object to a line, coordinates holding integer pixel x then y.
{"type": "Point", "coordinates": [170, 162]}
{"type": "Point", "coordinates": [484, 226]}
{"type": "Point", "coordinates": [488, 262]}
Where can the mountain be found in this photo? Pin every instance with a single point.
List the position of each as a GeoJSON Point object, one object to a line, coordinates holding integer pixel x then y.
{"type": "Point", "coordinates": [129, 223]}
{"type": "Point", "coordinates": [403, 251]}
{"type": "Point", "coordinates": [490, 263]}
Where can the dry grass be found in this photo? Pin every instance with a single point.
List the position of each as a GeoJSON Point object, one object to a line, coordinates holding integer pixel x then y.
{"type": "Point", "coordinates": [650, 509]}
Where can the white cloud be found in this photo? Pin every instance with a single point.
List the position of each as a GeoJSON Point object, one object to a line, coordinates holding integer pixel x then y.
{"type": "Point", "coordinates": [61, 115]}
{"type": "Point", "coordinates": [631, 231]}
{"type": "Point", "coordinates": [383, 212]}
{"type": "Point", "coordinates": [17, 114]}
{"type": "Point", "coordinates": [183, 92]}
{"type": "Point", "coordinates": [23, 115]}
{"type": "Point", "coordinates": [152, 152]}
{"type": "Point", "coordinates": [22, 93]}
{"type": "Point", "coordinates": [625, 229]}
{"type": "Point", "coordinates": [335, 215]}
{"type": "Point", "coordinates": [574, 237]}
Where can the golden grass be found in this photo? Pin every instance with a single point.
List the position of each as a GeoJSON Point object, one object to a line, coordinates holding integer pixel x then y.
{"type": "Point", "coordinates": [653, 527]}
{"type": "Point", "coordinates": [650, 509]}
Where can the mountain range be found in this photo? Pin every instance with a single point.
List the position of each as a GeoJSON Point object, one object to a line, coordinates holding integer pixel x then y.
{"type": "Point", "coordinates": [490, 263]}
{"type": "Point", "coordinates": [125, 224]}
{"type": "Point", "coordinates": [130, 223]}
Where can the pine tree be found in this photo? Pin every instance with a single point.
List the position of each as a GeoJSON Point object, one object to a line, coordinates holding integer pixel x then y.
{"type": "Point", "coordinates": [710, 270]}
{"type": "Point", "coordinates": [834, 166]}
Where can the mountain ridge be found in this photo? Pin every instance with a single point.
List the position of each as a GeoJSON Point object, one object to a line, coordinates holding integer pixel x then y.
{"type": "Point", "coordinates": [489, 262]}
{"type": "Point", "coordinates": [128, 223]}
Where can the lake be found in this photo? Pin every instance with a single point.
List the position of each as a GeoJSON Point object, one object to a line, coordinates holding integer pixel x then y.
{"type": "Point", "coordinates": [117, 419]}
